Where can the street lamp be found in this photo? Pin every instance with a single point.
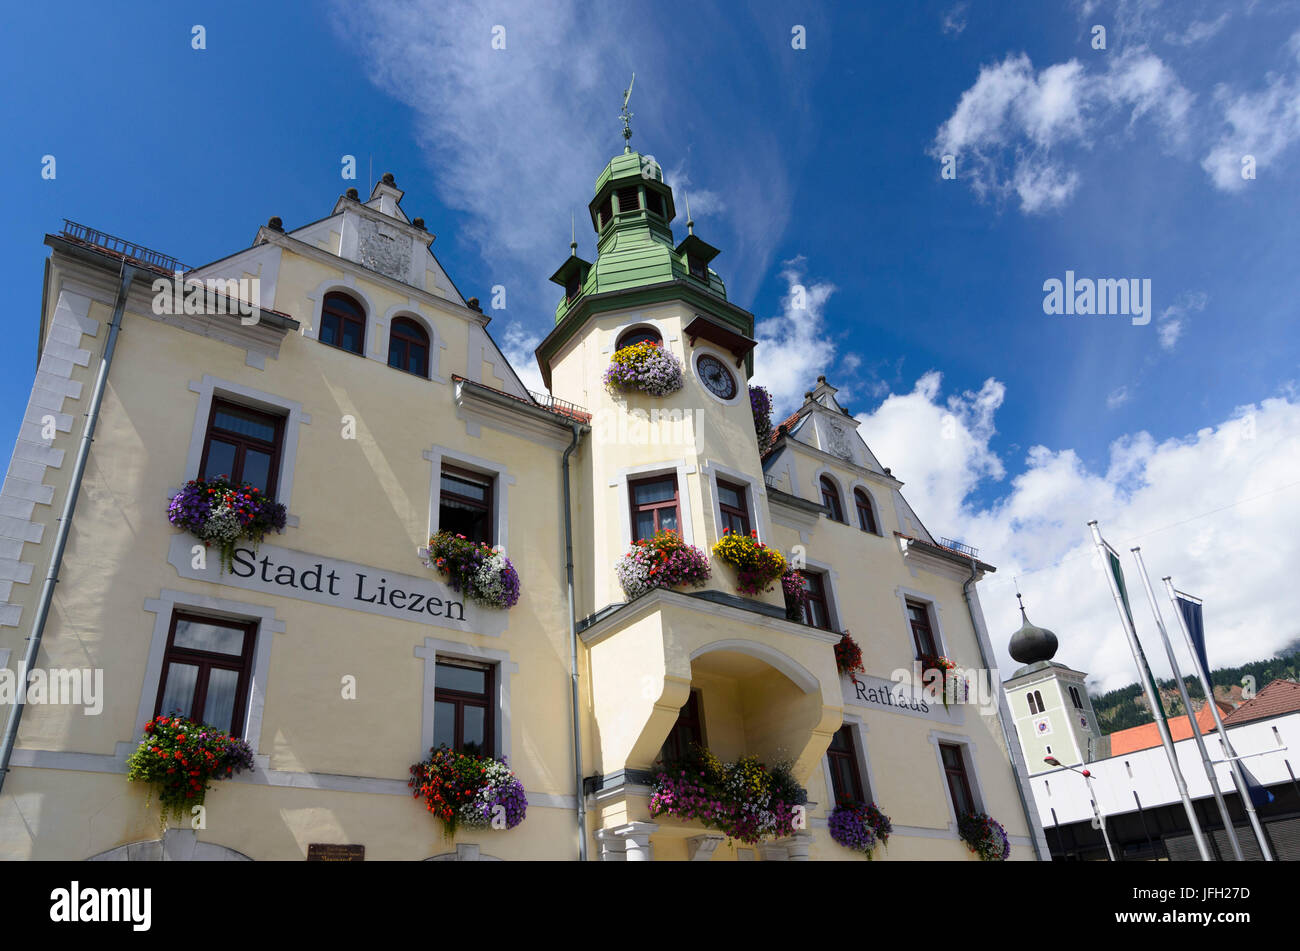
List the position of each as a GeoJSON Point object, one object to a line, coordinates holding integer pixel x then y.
{"type": "Point", "coordinates": [1087, 778]}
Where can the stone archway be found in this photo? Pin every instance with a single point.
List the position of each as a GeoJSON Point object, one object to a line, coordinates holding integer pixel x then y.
{"type": "Point", "coordinates": [176, 845]}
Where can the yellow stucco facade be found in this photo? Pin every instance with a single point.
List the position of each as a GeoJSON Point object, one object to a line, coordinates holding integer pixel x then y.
{"type": "Point", "coordinates": [362, 449]}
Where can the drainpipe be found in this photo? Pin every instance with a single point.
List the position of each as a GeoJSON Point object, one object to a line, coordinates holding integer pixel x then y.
{"type": "Point", "coordinates": [573, 646]}
{"type": "Point", "coordinates": [128, 274]}
{"type": "Point", "coordinates": [1004, 715]}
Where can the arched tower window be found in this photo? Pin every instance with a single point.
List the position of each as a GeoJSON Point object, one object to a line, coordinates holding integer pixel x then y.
{"type": "Point", "coordinates": [831, 498]}
{"type": "Point", "coordinates": [1033, 704]}
{"type": "Point", "coordinates": [408, 346]}
{"type": "Point", "coordinates": [639, 335]}
{"type": "Point", "coordinates": [1039, 697]}
{"type": "Point", "coordinates": [866, 514]}
{"type": "Point", "coordinates": [343, 323]}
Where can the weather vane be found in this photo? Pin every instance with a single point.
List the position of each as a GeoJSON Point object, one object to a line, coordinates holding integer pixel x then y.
{"type": "Point", "coordinates": [627, 116]}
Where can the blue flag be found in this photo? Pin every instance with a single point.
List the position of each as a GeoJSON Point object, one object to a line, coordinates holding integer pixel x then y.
{"type": "Point", "coordinates": [1190, 609]}
{"type": "Point", "coordinates": [1259, 795]}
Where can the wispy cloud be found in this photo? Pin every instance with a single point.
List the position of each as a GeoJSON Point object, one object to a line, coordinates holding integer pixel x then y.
{"type": "Point", "coordinates": [1011, 128]}
{"type": "Point", "coordinates": [1173, 319]}
{"type": "Point", "coordinates": [1118, 397]}
{"type": "Point", "coordinates": [793, 347]}
{"type": "Point", "coordinates": [954, 18]}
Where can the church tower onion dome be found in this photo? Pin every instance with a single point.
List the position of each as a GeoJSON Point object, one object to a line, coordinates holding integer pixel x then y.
{"type": "Point", "coordinates": [1031, 643]}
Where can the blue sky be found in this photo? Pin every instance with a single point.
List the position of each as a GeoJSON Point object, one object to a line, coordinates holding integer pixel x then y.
{"type": "Point", "coordinates": [817, 166]}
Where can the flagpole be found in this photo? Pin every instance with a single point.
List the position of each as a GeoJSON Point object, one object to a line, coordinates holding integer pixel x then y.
{"type": "Point", "coordinates": [1243, 791]}
{"type": "Point", "coordinates": [1187, 705]}
{"type": "Point", "coordinates": [1148, 682]}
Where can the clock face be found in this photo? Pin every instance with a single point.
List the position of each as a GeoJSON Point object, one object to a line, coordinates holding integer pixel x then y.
{"type": "Point", "coordinates": [715, 375]}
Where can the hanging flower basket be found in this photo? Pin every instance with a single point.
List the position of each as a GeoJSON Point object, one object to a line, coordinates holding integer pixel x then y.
{"type": "Point", "coordinates": [757, 566]}
{"type": "Point", "coordinates": [745, 800]}
{"type": "Point", "coordinates": [664, 561]}
{"type": "Point", "coordinates": [984, 836]}
{"type": "Point", "coordinates": [796, 594]}
{"type": "Point", "coordinates": [180, 758]}
{"type": "Point", "coordinates": [760, 403]}
{"type": "Point", "coordinates": [860, 826]}
{"type": "Point", "coordinates": [224, 514]}
{"type": "Point", "coordinates": [480, 572]}
{"type": "Point", "coordinates": [463, 789]}
{"type": "Point", "coordinates": [943, 665]}
{"type": "Point", "coordinates": [848, 655]}
{"type": "Point", "coordinates": [645, 368]}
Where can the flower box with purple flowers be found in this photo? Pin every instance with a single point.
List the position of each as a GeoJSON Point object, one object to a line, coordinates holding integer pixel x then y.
{"type": "Point", "coordinates": [643, 367]}
{"type": "Point", "coordinates": [223, 513]}
{"type": "Point", "coordinates": [477, 570]}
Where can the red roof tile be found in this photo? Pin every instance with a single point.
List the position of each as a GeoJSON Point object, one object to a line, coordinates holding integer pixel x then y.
{"type": "Point", "coordinates": [1280, 696]}
{"type": "Point", "coordinates": [1147, 736]}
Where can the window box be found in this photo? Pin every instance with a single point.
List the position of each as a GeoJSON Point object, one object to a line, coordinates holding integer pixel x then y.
{"type": "Point", "coordinates": [179, 758]}
{"type": "Point", "coordinates": [224, 514]}
{"type": "Point", "coordinates": [480, 572]}
{"type": "Point", "coordinates": [757, 566]}
{"type": "Point", "coordinates": [464, 789]}
{"type": "Point", "coordinates": [644, 367]}
{"type": "Point", "coordinates": [859, 826]}
{"type": "Point", "coordinates": [984, 836]}
{"type": "Point", "coordinates": [661, 561]}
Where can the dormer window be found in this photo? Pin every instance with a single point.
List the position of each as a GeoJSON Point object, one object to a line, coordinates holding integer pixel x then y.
{"type": "Point", "coordinates": [698, 268]}
{"type": "Point", "coordinates": [654, 202]}
{"type": "Point", "coordinates": [629, 200]}
{"type": "Point", "coordinates": [606, 212]}
{"type": "Point", "coordinates": [572, 286]}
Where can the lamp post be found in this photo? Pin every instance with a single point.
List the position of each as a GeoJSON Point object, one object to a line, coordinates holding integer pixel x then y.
{"type": "Point", "coordinates": [1087, 778]}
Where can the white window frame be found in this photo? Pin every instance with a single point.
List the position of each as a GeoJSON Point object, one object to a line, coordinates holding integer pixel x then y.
{"type": "Point", "coordinates": [875, 508]}
{"type": "Point", "coordinates": [857, 734]}
{"type": "Point", "coordinates": [503, 668]}
{"type": "Point", "coordinates": [967, 746]}
{"type": "Point", "coordinates": [676, 467]}
{"type": "Point", "coordinates": [502, 480]}
{"type": "Point", "coordinates": [754, 490]}
{"type": "Point", "coordinates": [211, 387]}
{"type": "Point", "coordinates": [370, 348]}
{"type": "Point", "coordinates": [436, 343]}
{"type": "Point", "coordinates": [936, 619]}
{"type": "Point", "coordinates": [164, 608]}
{"type": "Point", "coordinates": [832, 590]}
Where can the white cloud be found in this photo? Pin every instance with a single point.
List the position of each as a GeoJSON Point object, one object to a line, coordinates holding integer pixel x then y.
{"type": "Point", "coordinates": [1010, 129]}
{"type": "Point", "coordinates": [1118, 397]}
{"type": "Point", "coordinates": [1198, 31]}
{"type": "Point", "coordinates": [954, 18]}
{"type": "Point", "coordinates": [1205, 508]}
{"type": "Point", "coordinates": [703, 202]}
{"type": "Point", "coordinates": [1173, 319]}
{"type": "Point", "coordinates": [518, 344]}
{"type": "Point", "coordinates": [1263, 124]}
{"type": "Point", "coordinates": [793, 348]}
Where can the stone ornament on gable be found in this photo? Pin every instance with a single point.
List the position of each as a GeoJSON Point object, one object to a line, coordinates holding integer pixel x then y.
{"type": "Point", "coordinates": [382, 249]}
{"type": "Point", "coordinates": [840, 443]}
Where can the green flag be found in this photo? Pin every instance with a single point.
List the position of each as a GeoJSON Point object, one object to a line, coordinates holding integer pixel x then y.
{"type": "Point", "coordinates": [1118, 574]}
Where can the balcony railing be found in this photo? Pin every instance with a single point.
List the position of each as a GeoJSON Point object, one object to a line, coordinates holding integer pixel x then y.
{"type": "Point", "coordinates": [959, 547]}
{"type": "Point", "coordinates": [120, 246]}
{"type": "Point", "coordinates": [561, 407]}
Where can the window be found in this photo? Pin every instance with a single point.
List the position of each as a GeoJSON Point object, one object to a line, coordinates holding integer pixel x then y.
{"type": "Point", "coordinates": [688, 730]}
{"type": "Point", "coordinates": [606, 211]}
{"type": "Point", "coordinates": [654, 506]}
{"type": "Point", "coordinates": [1039, 698]}
{"type": "Point", "coordinates": [866, 514]}
{"type": "Point", "coordinates": [918, 615]}
{"type": "Point", "coordinates": [639, 335]}
{"type": "Point", "coordinates": [465, 505]}
{"type": "Point", "coordinates": [206, 669]}
{"type": "Point", "coordinates": [697, 267]}
{"type": "Point", "coordinates": [831, 498]}
{"type": "Point", "coordinates": [817, 611]}
{"type": "Point", "coordinates": [343, 323]}
{"type": "Point", "coordinates": [735, 511]}
{"type": "Point", "coordinates": [846, 781]}
{"type": "Point", "coordinates": [954, 768]}
{"type": "Point", "coordinates": [654, 202]}
{"type": "Point", "coordinates": [1033, 704]}
{"type": "Point", "coordinates": [629, 200]}
{"type": "Point", "coordinates": [243, 445]}
{"type": "Point", "coordinates": [408, 346]}
{"type": "Point", "coordinates": [572, 285]}
{"type": "Point", "coordinates": [1075, 698]}
{"type": "Point", "coordinates": [462, 707]}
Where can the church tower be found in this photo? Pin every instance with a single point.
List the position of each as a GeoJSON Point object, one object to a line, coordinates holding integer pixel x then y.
{"type": "Point", "coordinates": [1049, 701]}
{"type": "Point", "coordinates": [646, 287]}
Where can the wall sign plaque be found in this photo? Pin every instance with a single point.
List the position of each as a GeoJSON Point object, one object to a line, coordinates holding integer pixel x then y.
{"type": "Point", "coordinates": [341, 584]}
{"type": "Point", "coordinates": [328, 852]}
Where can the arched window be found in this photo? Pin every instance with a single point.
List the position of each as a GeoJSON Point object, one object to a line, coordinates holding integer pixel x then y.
{"type": "Point", "coordinates": [1033, 705]}
{"type": "Point", "coordinates": [831, 498]}
{"type": "Point", "coordinates": [1076, 698]}
{"type": "Point", "coordinates": [640, 335]}
{"type": "Point", "coordinates": [866, 514]}
{"type": "Point", "coordinates": [1039, 697]}
{"type": "Point", "coordinates": [408, 346]}
{"type": "Point", "coordinates": [343, 323]}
